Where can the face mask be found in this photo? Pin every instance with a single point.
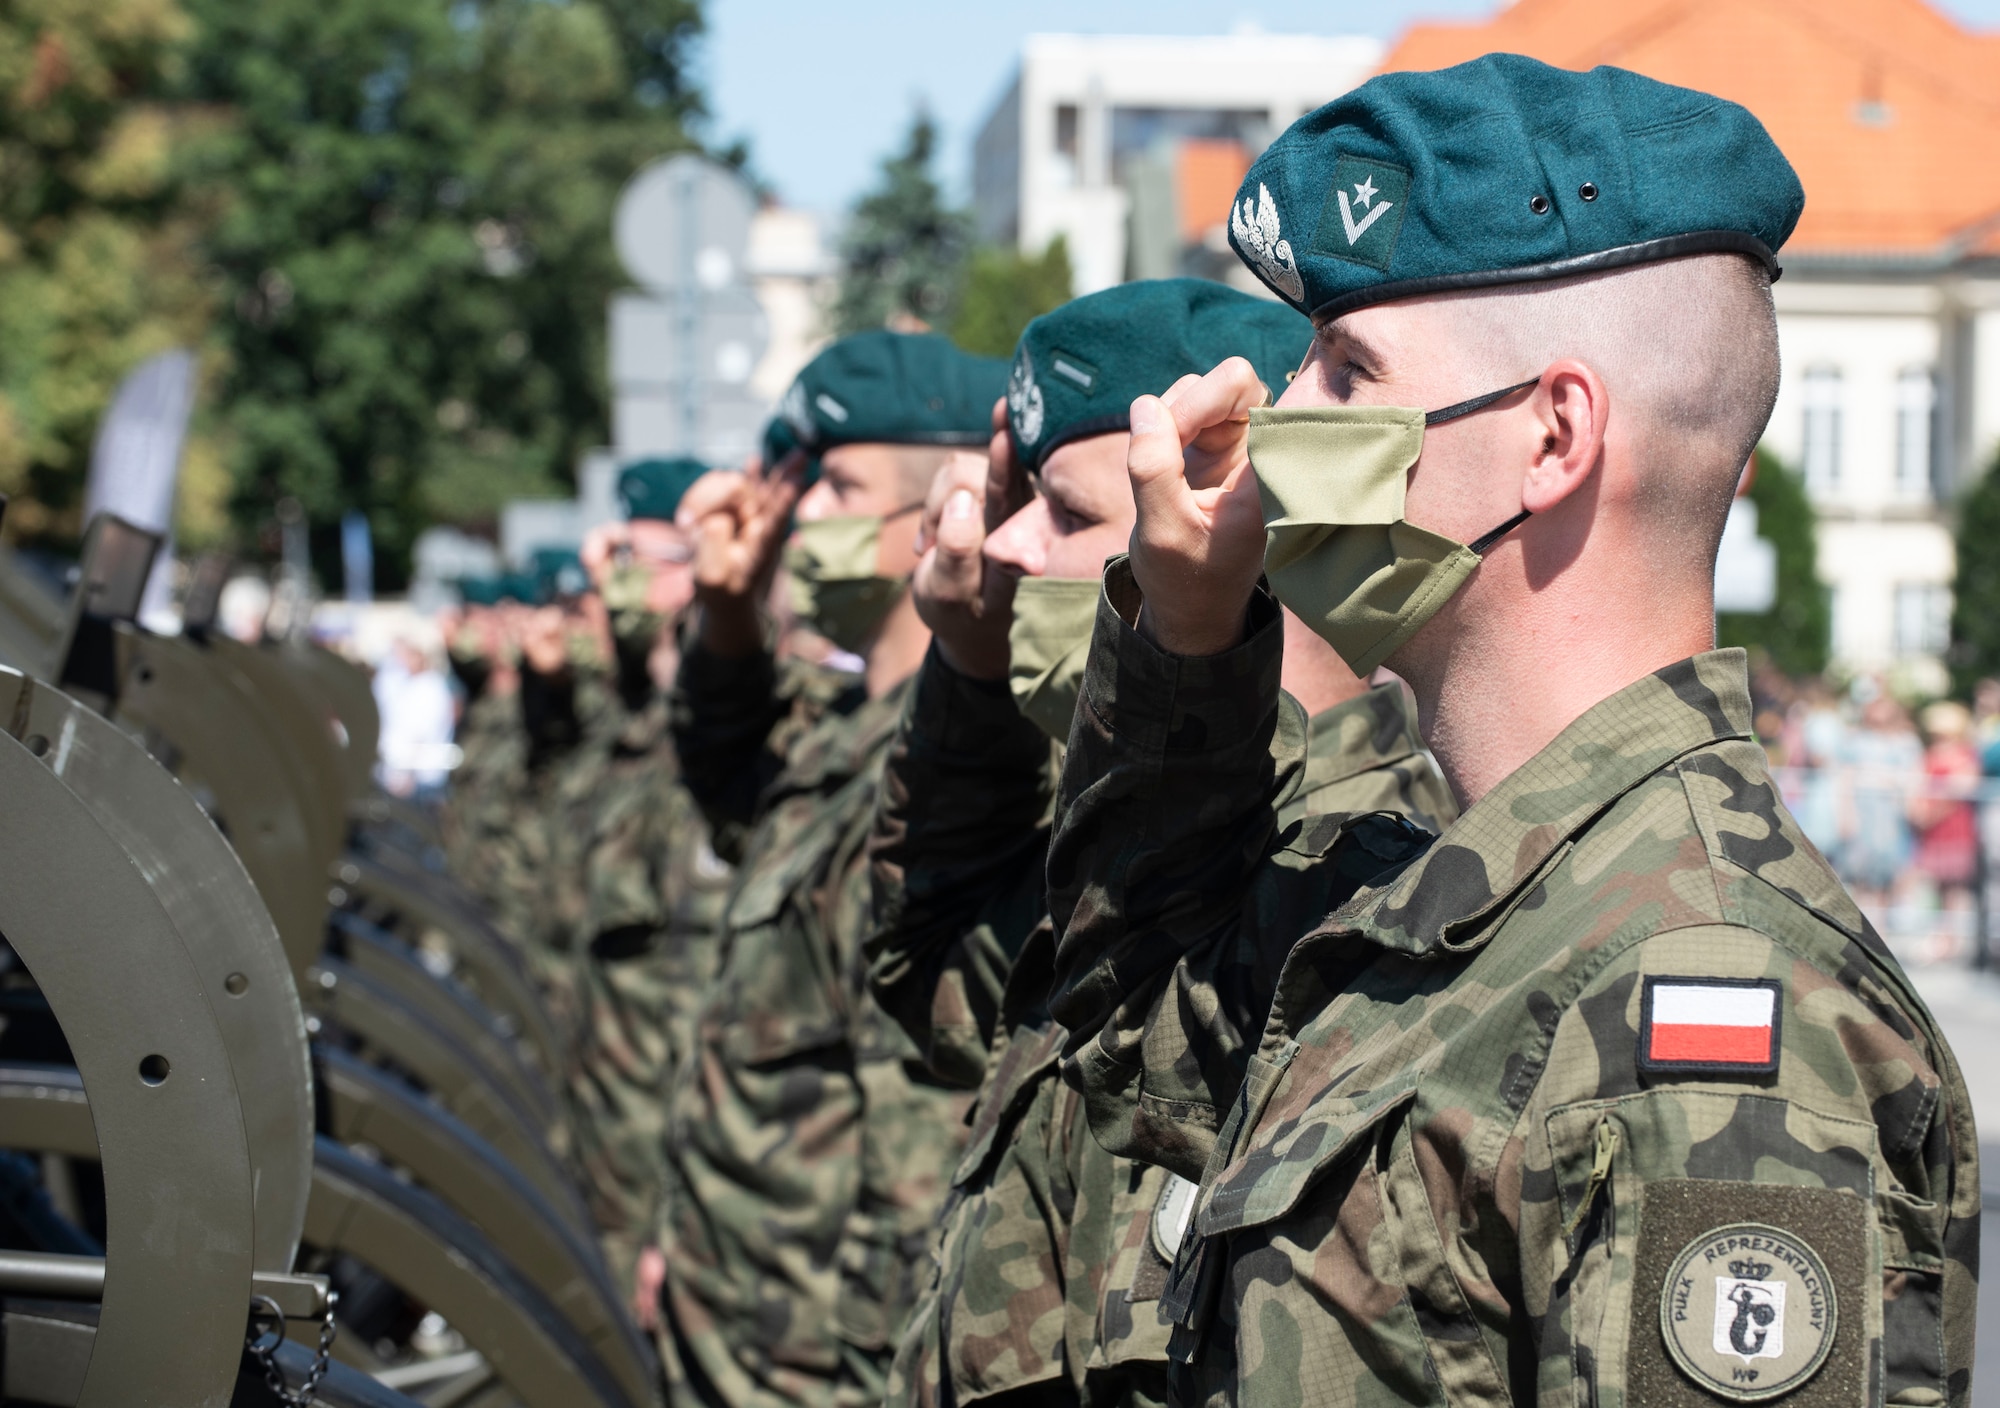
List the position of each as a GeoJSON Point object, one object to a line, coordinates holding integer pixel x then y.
{"type": "Point", "coordinates": [1049, 641]}
{"type": "Point", "coordinates": [1337, 549]}
{"type": "Point", "coordinates": [835, 589]}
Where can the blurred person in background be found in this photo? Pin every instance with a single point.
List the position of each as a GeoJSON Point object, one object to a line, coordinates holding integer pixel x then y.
{"type": "Point", "coordinates": [1986, 724]}
{"type": "Point", "coordinates": [1947, 831]}
{"type": "Point", "coordinates": [418, 716]}
{"type": "Point", "coordinates": [1884, 761]}
{"type": "Point", "coordinates": [1815, 738]}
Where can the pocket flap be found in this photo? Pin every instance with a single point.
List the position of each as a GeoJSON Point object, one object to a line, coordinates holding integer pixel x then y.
{"type": "Point", "coordinates": [1008, 1094]}
{"type": "Point", "coordinates": [1268, 1179]}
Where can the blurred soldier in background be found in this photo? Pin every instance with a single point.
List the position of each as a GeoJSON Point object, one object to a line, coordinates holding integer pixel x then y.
{"type": "Point", "coordinates": [806, 1150]}
{"type": "Point", "coordinates": [652, 886]}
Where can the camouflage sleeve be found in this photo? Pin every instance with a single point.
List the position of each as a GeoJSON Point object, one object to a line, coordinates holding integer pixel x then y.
{"type": "Point", "coordinates": [1164, 824]}
{"type": "Point", "coordinates": [724, 711]}
{"type": "Point", "coordinates": [1746, 1171]}
{"type": "Point", "coordinates": [957, 862]}
{"type": "Point", "coordinates": [549, 714]}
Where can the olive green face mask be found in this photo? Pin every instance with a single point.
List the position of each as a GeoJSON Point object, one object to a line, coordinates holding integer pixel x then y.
{"type": "Point", "coordinates": [835, 589]}
{"type": "Point", "coordinates": [1337, 549]}
{"type": "Point", "coordinates": [1049, 641]}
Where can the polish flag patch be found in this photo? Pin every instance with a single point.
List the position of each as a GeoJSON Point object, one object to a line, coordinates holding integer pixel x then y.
{"type": "Point", "coordinates": [1724, 1026]}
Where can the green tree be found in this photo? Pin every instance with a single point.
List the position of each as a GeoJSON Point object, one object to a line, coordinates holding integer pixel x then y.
{"type": "Point", "coordinates": [1797, 630]}
{"type": "Point", "coordinates": [96, 266]}
{"type": "Point", "coordinates": [905, 249]}
{"type": "Point", "coordinates": [1975, 587]}
{"type": "Point", "coordinates": [408, 213]}
{"type": "Point", "coordinates": [1005, 290]}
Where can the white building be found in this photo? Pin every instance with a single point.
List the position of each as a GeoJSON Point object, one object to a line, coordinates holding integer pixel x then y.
{"type": "Point", "coordinates": [1890, 406]}
{"type": "Point", "coordinates": [1131, 147]}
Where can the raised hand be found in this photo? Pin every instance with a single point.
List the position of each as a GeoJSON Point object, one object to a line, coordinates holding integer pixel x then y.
{"type": "Point", "coordinates": [740, 521]}
{"type": "Point", "coordinates": [967, 604]}
{"type": "Point", "coordinates": [1198, 545]}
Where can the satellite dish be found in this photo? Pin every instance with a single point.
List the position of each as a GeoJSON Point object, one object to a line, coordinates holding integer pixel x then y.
{"type": "Point", "coordinates": [684, 222]}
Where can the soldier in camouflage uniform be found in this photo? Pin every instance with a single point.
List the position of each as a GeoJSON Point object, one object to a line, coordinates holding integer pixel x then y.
{"type": "Point", "coordinates": [652, 885]}
{"type": "Point", "coordinates": [807, 1149]}
{"type": "Point", "coordinates": [1609, 1094]}
{"type": "Point", "coordinates": [1049, 1273]}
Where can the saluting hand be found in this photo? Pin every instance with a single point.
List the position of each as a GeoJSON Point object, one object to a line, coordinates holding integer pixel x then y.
{"type": "Point", "coordinates": [740, 522]}
{"type": "Point", "coordinates": [1198, 545]}
{"type": "Point", "coordinates": [968, 603]}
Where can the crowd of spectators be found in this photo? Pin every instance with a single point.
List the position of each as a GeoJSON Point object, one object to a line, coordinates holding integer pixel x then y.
{"type": "Point", "coordinates": [1904, 802]}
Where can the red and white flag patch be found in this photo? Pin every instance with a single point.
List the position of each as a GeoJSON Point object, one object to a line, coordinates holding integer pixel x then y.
{"type": "Point", "coordinates": [1725, 1026]}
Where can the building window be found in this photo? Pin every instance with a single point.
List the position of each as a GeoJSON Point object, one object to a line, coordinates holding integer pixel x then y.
{"type": "Point", "coordinates": [1923, 618]}
{"type": "Point", "coordinates": [1064, 165]}
{"type": "Point", "coordinates": [1916, 414]}
{"type": "Point", "coordinates": [1822, 438]}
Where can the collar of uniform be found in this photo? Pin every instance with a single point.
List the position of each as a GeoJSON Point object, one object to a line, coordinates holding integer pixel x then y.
{"type": "Point", "coordinates": [1369, 731]}
{"type": "Point", "coordinates": [1447, 898]}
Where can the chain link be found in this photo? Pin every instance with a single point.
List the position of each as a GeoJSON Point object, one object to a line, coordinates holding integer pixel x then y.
{"type": "Point", "coordinates": [263, 1346]}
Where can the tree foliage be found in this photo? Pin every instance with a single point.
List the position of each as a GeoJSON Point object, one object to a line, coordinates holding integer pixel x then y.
{"type": "Point", "coordinates": [408, 221]}
{"type": "Point", "coordinates": [97, 265]}
{"type": "Point", "coordinates": [1005, 290]}
{"type": "Point", "coordinates": [1797, 631]}
{"type": "Point", "coordinates": [1975, 588]}
{"type": "Point", "coordinates": [905, 248]}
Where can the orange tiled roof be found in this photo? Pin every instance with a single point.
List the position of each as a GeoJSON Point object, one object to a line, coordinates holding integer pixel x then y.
{"type": "Point", "coordinates": [1889, 110]}
{"type": "Point", "coordinates": [1206, 175]}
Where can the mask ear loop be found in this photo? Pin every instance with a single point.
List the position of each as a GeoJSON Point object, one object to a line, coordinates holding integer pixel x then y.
{"type": "Point", "coordinates": [1480, 544]}
{"type": "Point", "coordinates": [1477, 403]}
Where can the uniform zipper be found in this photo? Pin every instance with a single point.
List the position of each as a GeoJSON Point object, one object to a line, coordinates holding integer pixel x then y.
{"type": "Point", "coordinates": [1601, 1158]}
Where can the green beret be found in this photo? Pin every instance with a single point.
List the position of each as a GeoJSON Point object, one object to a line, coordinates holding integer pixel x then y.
{"type": "Point", "coordinates": [779, 441]}
{"type": "Point", "coordinates": [1505, 170]}
{"type": "Point", "coordinates": [522, 587]}
{"type": "Point", "coordinates": [653, 488]}
{"type": "Point", "coordinates": [558, 572]}
{"type": "Point", "coordinates": [894, 388]}
{"type": "Point", "coordinates": [1079, 368]}
{"type": "Point", "coordinates": [481, 591]}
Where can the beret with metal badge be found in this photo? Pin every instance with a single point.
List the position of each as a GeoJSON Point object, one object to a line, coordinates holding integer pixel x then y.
{"type": "Point", "coordinates": [652, 488]}
{"type": "Point", "coordinates": [1078, 368]}
{"type": "Point", "coordinates": [893, 388]}
{"type": "Point", "coordinates": [1505, 170]}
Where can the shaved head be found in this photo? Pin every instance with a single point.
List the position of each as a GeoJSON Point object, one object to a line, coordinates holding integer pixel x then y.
{"type": "Point", "coordinates": [1688, 349]}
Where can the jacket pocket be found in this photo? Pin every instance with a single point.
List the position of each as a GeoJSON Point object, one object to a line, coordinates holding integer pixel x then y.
{"type": "Point", "coordinates": [1302, 1242]}
{"type": "Point", "coordinates": [1913, 1356]}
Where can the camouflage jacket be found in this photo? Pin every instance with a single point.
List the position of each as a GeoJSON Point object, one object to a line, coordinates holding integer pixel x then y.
{"type": "Point", "coordinates": [806, 1154]}
{"type": "Point", "coordinates": [654, 891]}
{"type": "Point", "coordinates": [1609, 1096]}
{"type": "Point", "coordinates": [735, 721]}
{"type": "Point", "coordinates": [1049, 1263]}
{"type": "Point", "coordinates": [957, 859]}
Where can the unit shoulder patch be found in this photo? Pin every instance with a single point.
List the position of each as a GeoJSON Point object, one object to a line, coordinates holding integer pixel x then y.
{"type": "Point", "coordinates": [1710, 1026]}
{"type": "Point", "coordinates": [1748, 1293]}
{"type": "Point", "coordinates": [1744, 1294]}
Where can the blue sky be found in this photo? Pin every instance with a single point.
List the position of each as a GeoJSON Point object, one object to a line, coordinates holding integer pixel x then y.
{"type": "Point", "coordinates": [824, 88]}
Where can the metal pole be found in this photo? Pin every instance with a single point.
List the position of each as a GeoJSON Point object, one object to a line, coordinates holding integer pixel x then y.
{"type": "Point", "coordinates": [687, 300]}
{"type": "Point", "coordinates": [52, 1274]}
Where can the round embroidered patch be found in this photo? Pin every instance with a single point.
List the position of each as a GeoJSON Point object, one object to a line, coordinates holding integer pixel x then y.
{"type": "Point", "coordinates": [1171, 1216]}
{"type": "Point", "coordinates": [1748, 1312]}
